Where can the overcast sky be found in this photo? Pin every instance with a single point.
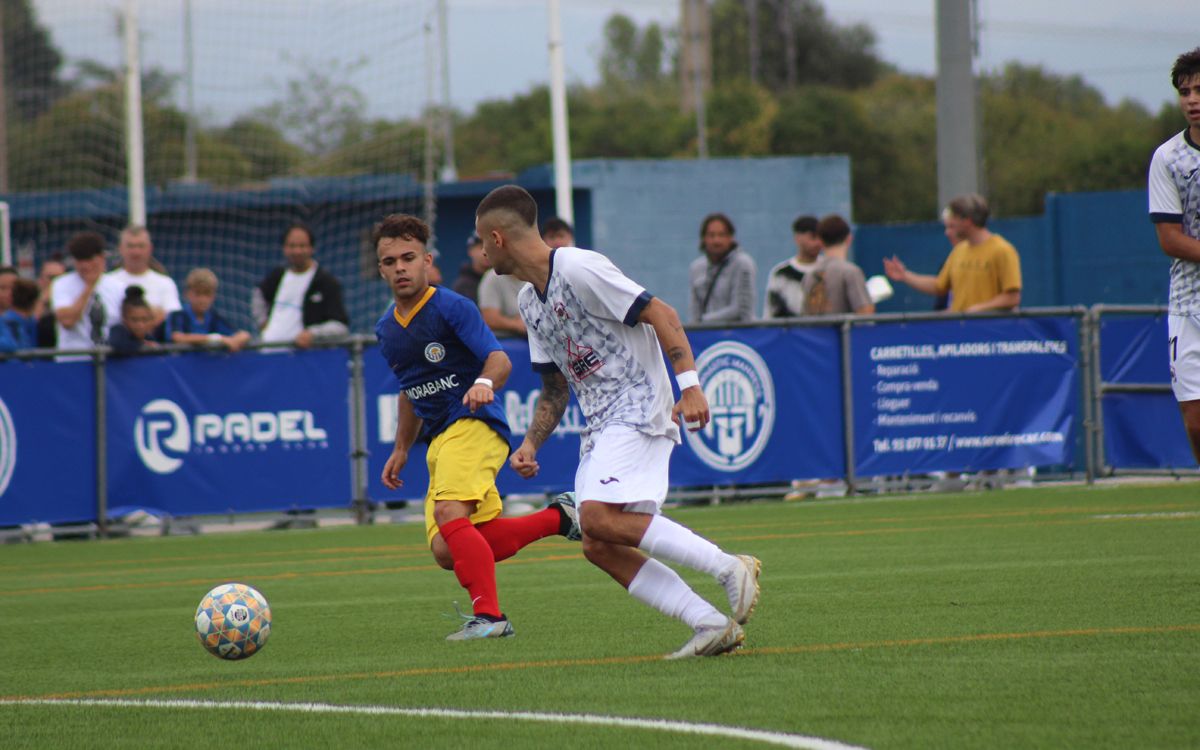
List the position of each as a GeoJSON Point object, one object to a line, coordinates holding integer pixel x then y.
{"type": "Point", "coordinates": [247, 49]}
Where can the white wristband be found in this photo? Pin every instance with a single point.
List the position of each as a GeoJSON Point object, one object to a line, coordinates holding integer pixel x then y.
{"type": "Point", "coordinates": [687, 379]}
{"type": "Point", "coordinates": [214, 338]}
{"type": "Point", "coordinates": [485, 381]}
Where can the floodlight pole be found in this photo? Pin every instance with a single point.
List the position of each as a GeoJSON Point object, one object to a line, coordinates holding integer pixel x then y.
{"type": "Point", "coordinates": [134, 158]}
{"type": "Point", "coordinates": [449, 168]}
{"type": "Point", "coordinates": [189, 82]}
{"type": "Point", "coordinates": [957, 102]}
{"type": "Point", "coordinates": [564, 205]}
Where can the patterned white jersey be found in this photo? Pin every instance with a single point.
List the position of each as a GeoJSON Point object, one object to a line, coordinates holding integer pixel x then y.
{"type": "Point", "coordinates": [586, 326]}
{"type": "Point", "coordinates": [1175, 197]}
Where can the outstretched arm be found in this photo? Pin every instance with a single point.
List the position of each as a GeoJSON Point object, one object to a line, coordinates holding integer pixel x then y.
{"type": "Point", "coordinates": [551, 406]}
{"type": "Point", "coordinates": [897, 271]}
{"type": "Point", "coordinates": [693, 406]}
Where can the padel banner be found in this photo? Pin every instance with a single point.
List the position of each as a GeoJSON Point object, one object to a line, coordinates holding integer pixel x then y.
{"type": "Point", "coordinates": [1141, 430]}
{"type": "Point", "coordinates": [47, 442]}
{"type": "Point", "coordinates": [214, 433]}
{"type": "Point", "coordinates": [964, 395]}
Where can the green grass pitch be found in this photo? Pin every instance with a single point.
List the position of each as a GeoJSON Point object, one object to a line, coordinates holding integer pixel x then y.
{"type": "Point", "coordinates": [1060, 617]}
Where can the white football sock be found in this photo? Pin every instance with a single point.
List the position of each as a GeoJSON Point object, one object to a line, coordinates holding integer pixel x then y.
{"type": "Point", "coordinates": [662, 588]}
{"type": "Point", "coordinates": [669, 541]}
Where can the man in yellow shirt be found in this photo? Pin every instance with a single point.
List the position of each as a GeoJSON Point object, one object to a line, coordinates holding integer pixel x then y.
{"type": "Point", "coordinates": [983, 271]}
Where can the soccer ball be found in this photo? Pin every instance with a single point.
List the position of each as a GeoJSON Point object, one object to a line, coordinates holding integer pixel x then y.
{"type": "Point", "coordinates": [233, 621]}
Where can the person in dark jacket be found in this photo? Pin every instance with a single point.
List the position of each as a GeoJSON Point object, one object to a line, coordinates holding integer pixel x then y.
{"type": "Point", "coordinates": [299, 302]}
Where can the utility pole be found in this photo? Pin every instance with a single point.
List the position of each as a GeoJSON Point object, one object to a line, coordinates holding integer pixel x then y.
{"type": "Point", "coordinates": [189, 76]}
{"type": "Point", "coordinates": [696, 66]}
{"type": "Point", "coordinates": [449, 168]}
{"type": "Point", "coordinates": [3, 112]}
{"type": "Point", "coordinates": [957, 100]}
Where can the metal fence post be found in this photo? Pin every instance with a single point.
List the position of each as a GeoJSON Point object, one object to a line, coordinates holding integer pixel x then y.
{"type": "Point", "coordinates": [1088, 394]}
{"type": "Point", "coordinates": [358, 435]}
{"type": "Point", "coordinates": [848, 407]}
{"type": "Point", "coordinates": [100, 364]}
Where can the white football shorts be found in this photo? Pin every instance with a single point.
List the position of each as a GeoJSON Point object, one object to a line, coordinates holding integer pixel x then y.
{"type": "Point", "coordinates": [625, 466]}
{"type": "Point", "coordinates": [1183, 341]}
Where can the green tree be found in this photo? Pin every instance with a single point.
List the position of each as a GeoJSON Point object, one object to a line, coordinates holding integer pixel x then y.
{"type": "Point", "coordinates": [631, 56]}
{"type": "Point", "coordinates": [319, 110]}
{"type": "Point", "coordinates": [31, 62]}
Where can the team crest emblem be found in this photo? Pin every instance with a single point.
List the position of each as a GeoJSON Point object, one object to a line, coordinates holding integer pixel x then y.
{"type": "Point", "coordinates": [561, 311]}
{"type": "Point", "coordinates": [741, 398]}
{"type": "Point", "coordinates": [435, 352]}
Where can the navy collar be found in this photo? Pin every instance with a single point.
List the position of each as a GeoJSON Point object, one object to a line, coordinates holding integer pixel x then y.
{"type": "Point", "coordinates": [549, 275]}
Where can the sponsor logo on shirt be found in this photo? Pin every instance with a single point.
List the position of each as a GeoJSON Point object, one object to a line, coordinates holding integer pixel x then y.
{"type": "Point", "coordinates": [582, 360]}
{"type": "Point", "coordinates": [433, 387]}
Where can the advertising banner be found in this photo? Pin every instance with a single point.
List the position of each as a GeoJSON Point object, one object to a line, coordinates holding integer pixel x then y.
{"type": "Point", "coordinates": [964, 395]}
{"type": "Point", "coordinates": [210, 433]}
{"type": "Point", "coordinates": [47, 442]}
{"type": "Point", "coordinates": [1141, 430]}
{"type": "Point", "coordinates": [776, 400]}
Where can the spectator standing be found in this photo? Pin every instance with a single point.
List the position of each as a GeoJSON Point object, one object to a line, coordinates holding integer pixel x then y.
{"type": "Point", "coordinates": [137, 267]}
{"type": "Point", "coordinates": [135, 331]}
{"type": "Point", "coordinates": [785, 293]}
{"type": "Point", "coordinates": [8, 275]}
{"type": "Point", "coordinates": [498, 304]}
{"type": "Point", "coordinates": [558, 233]}
{"type": "Point", "coordinates": [1174, 186]}
{"type": "Point", "coordinates": [470, 273]}
{"type": "Point", "coordinates": [299, 302]}
{"type": "Point", "coordinates": [86, 301]}
{"type": "Point", "coordinates": [722, 281]}
{"type": "Point", "coordinates": [835, 285]}
{"type": "Point", "coordinates": [43, 311]}
{"type": "Point", "coordinates": [198, 322]}
{"type": "Point", "coordinates": [19, 319]}
{"type": "Point", "coordinates": [983, 271]}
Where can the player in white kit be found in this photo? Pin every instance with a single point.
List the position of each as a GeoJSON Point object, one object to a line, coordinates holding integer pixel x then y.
{"type": "Point", "coordinates": [591, 325]}
{"type": "Point", "coordinates": [1175, 210]}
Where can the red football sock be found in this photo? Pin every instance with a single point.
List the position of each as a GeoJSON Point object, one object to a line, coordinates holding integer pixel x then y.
{"type": "Point", "coordinates": [473, 565]}
{"type": "Point", "coordinates": [508, 535]}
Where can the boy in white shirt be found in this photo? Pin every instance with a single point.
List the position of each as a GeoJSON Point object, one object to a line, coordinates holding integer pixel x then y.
{"type": "Point", "coordinates": [86, 301]}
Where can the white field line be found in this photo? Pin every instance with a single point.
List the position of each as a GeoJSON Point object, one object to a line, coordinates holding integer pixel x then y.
{"type": "Point", "coordinates": [1134, 516]}
{"type": "Point", "coordinates": [781, 739]}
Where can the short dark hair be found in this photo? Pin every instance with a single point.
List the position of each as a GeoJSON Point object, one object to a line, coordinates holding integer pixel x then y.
{"type": "Point", "coordinates": [85, 245]}
{"type": "Point", "coordinates": [25, 293]}
{"type": "Point", "coordinates": [804, 225]}
{"type": "Point", "coordinates": [555, 224]}
{"type": "Point", "coordinates": [312, 240]}
{"type": "Point", "coordinates": [833, 230]}
{"type": "Point", "coordinates": [716, 217]}
{"type": "Point", "coordinates": [512, 198]}
{"type": "Point", "coordinates": [1186, 66]}
{"type": "Point", "coordinates": [4, 270]}
{"type": "Point", "coordinates": [403, 226]}
{"type": "Point", "coordinates": [135, 296]}
{"type": "Point", "coordinates": [972, 206]}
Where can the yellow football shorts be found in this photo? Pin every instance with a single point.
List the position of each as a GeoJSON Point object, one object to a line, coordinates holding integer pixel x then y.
{"type": "Point", "coordinates": [463, 463]}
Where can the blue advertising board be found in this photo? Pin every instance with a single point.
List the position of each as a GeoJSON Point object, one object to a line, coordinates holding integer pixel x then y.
{"type": "Point", "coordinates": [213, 433]}
{"type": "Point", "coordinates": [964, 395]}
{"type": "Point", "coordinates": [1141, 430]}
{"type": "Point", "coordinates": [47, 442]}
{"type": "Point", "coordinates": [775, 397]}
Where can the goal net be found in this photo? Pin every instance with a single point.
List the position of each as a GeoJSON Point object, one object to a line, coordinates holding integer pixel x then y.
{"type": "Point", "coordinates": [255, 115]}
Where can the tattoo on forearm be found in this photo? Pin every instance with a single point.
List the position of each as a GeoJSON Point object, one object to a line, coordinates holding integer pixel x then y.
{"type": "Point", "coordinates": [676, 353]}
{"type": "Point", "coordinates": [551, 406]}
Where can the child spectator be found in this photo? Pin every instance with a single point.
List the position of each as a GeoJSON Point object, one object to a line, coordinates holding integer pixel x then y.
{"type": "Point", "coordinates": [134, 332]}
{"type": "Point", "coordinates": [20, 319]}
{"type": "Point", "coordinates": [198, 322]}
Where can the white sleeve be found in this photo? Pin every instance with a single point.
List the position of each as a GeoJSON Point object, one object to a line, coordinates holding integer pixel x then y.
{"type": "Point", "coordinates": [1164, 196]}
{"type": "Point", "coordinates": [603, 289]}
{"type": "Point", "coordinates": [171, 301]}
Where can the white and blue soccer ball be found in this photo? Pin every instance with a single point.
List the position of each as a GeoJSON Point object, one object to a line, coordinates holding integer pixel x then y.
{"type": "Point", "coordinates": [233, 621]}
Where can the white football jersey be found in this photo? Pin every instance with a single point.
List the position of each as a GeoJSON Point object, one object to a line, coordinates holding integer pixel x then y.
{"type": "Point", "coordinates": [586, 326]}
{"type": "Point", "coordinates": [1175, 197]}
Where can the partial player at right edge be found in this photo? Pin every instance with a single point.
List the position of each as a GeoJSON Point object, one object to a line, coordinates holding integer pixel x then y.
{"type": "Point", "coordinates": [591, 324]}
{"type": "Point", "coordinates": [1175, 211]}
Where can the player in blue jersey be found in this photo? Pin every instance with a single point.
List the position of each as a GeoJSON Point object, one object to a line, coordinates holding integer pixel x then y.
{"type": "Point", "coordinates": [449, 365]}
{"type": "Point", "coordinates": [1174, 185]}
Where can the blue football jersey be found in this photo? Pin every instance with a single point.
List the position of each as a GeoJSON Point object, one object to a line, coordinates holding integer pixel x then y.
{"type": "Point", "coordinates": [436, 354]}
